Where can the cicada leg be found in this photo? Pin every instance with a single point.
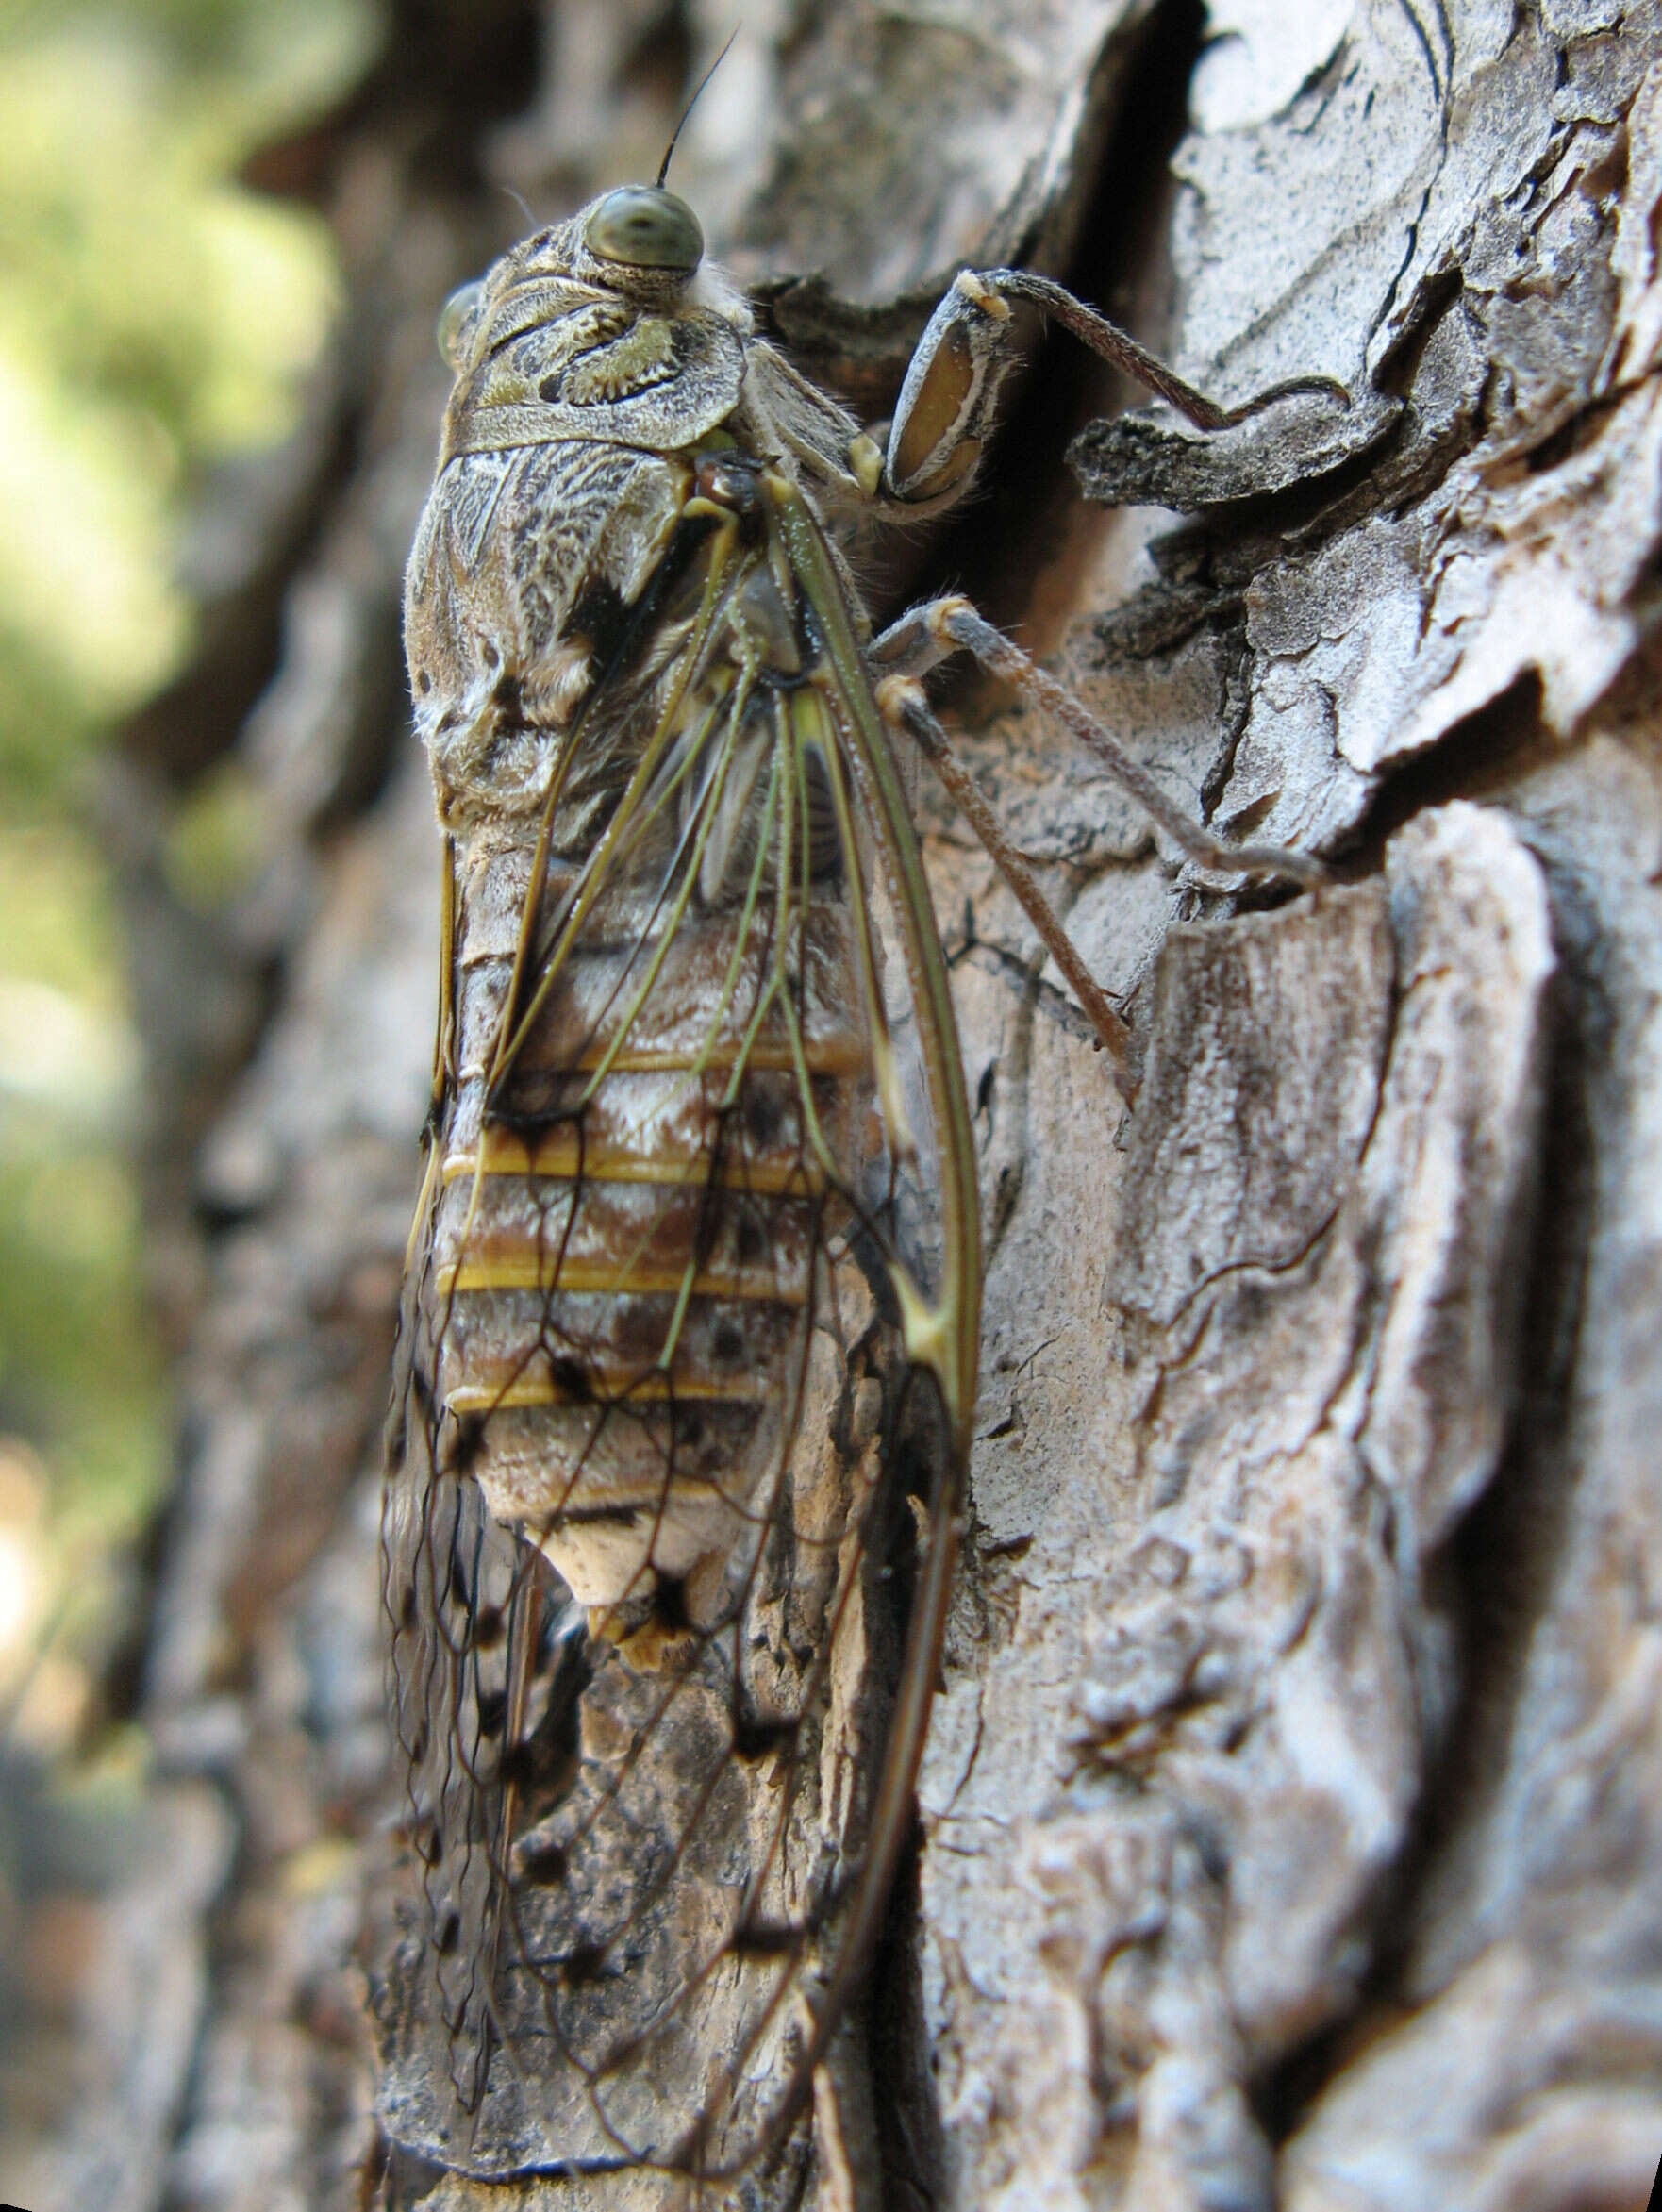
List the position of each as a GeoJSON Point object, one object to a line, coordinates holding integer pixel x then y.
{"type": "Point", "coordinates": [941, 423]}
{"type": "Point", "coordinates": [929, 634]}
{"type": "Point", "coordinates": [945, 411]}
{"type": "Point", "coordinates": [904, 708]}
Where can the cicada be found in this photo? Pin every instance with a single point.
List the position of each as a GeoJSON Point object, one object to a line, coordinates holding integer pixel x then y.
{"type": "Point", "coordinates": [687, 1355]}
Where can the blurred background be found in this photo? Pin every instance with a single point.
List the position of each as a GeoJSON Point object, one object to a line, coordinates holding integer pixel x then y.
{"type": "Point", "coordinates": [159, 322]}
{"type": "Point", "coordinates": [158, 319]}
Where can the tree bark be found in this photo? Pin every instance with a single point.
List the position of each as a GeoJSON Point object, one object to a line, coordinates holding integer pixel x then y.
{"type": "Point", "coordinates": [1290, 1832]}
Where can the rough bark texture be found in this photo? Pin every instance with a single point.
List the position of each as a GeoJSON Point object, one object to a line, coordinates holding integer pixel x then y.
{"type": "Point", "coordinates": [1291, 1827]}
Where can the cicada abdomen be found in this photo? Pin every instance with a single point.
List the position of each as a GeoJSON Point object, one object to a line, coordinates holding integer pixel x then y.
{"type": "Point", "coordinates": [692, 1296]}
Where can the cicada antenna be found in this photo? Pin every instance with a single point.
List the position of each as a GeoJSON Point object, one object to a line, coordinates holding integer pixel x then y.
{"type": "Point", "coordinates": [664, 165]}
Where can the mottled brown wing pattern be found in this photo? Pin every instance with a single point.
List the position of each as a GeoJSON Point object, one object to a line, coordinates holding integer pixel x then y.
{"type": "Point", "coordinates": [691, 1298]}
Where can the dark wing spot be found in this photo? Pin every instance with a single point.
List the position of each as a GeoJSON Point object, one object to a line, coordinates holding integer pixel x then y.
{"type": "Point", "coordinates": [584, 1962]}
{"type": "Point", "coordinates": [543, 1863]}
{"type": "Point", "coordinates": [755, 1738]}
{"type": "Point", "coordinates": [766, 1940]}
{"type": "Point", "coordinates": [571, 1377]}
{"type": "Point", "coordinates": [468, 1444]}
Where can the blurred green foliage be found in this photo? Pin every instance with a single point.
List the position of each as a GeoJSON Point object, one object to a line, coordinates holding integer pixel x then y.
{"type": "Point", "coordinates": [154, 317]}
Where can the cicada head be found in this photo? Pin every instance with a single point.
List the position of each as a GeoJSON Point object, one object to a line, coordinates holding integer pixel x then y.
{"type": "Point", "coordinates": [640, 241]}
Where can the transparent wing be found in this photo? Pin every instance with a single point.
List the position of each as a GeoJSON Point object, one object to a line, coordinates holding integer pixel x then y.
{"type": "Point", "coordinates": [692, 1310]}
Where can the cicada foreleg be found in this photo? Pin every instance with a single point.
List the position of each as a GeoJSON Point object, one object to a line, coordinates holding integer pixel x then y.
{"type": "Point", "coordinates": [945, 411]}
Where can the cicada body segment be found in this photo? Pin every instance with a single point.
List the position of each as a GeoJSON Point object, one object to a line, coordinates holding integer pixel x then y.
{"type": "Point", "coordinates": [692, 1296]}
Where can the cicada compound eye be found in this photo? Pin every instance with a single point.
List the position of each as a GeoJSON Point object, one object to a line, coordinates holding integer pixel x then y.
{"type": "Point", "coordinates": [453, 319]}
{"type": "Point", "coordinates": [642, 227]}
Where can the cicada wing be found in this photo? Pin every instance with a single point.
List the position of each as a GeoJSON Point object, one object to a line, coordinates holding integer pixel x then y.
{"type": "Point", "coordinates": [452, 1580]}
{"type": "Point", "coordinates": [695, 1301]}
